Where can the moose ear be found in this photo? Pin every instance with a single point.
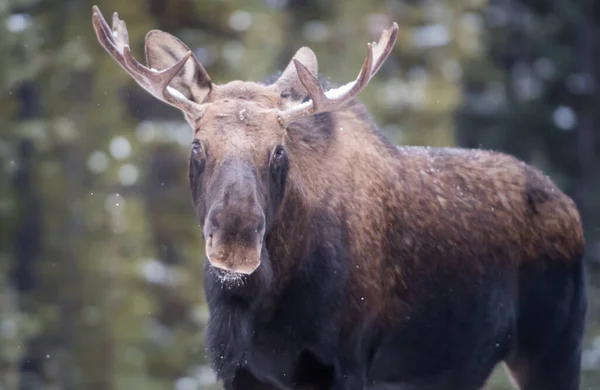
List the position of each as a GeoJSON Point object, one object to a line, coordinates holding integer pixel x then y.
{"type": "Point", "coordinates": [289, 84]}
{"type": "Point", "coordinates": [163, 50]}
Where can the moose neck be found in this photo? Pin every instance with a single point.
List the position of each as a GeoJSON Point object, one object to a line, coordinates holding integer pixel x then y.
{"type": "Point", "coordinates": [326, 152]}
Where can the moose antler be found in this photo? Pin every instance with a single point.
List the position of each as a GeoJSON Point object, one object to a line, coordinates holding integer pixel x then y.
{"type": "Point", "coordinates": [322, 101]}
{"type": "Point", "coordinates": [116, 43]}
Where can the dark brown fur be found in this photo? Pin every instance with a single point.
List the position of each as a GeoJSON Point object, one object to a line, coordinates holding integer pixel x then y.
{"type": "Point", "coordinates": [411, 215]}
{"type": "Point", "coordinates": [339, 261]}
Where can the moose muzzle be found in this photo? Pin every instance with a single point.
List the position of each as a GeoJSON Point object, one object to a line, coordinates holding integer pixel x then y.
{"type": "Point", "coordinates": [234, 238]}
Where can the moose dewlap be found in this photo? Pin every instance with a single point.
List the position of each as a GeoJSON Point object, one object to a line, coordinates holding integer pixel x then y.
{"type": "Point", "coordinates": [336, 260]}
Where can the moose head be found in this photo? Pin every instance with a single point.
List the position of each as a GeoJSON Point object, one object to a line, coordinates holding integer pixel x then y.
{"type": "Point", "coordinates": [245, 143]}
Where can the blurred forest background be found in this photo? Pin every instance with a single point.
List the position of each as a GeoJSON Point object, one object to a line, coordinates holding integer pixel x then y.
{"type": "Point", "coordinates": [100, 253]}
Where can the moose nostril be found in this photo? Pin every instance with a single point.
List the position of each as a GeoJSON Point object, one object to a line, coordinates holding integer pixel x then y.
{"type": "Point", "coordinates": [214, 220]}
{"type": "Point", "coordinates": [261, 225]}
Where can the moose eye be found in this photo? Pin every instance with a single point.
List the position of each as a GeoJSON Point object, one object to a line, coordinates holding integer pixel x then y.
{"type": "Point", "coordinates": [196, 148]}
{"type": "Point", "coordinates": [279, 154]}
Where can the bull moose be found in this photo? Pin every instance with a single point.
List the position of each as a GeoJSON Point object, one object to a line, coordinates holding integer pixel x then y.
{"type": "Point", "coordinates": [337, 260]}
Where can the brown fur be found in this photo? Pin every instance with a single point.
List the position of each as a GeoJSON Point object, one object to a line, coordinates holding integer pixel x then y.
{"type": "Point", "coordinates": [437, 193]}
{"type": "Point", "coordinates": [415, 232]}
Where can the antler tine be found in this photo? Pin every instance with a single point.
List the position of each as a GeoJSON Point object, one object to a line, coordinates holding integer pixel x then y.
{"type": "Point", "coordinates": [103, 32]}
{"type": "Point", "coordinates": [384, 46]}
{"type": "Point", "coordinates": [158, 81]}
{"type": "Point", "coordinates": [116, 42]}
{"type": "Point", "coordinates": [366, 72]}
{"type": "Point", "coordinates": [312, 85]}
{"type": "Point", "coordinates": [322, 101]}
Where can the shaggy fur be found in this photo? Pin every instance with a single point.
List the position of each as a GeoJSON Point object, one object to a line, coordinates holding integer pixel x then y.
{"type": "Point", "coordinates": [339, 261]}
{"type": "Point", "coordinates": [418, 267]}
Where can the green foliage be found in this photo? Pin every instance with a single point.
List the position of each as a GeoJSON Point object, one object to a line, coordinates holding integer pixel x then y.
{"type": "Point", "coordinates": [117, 301]}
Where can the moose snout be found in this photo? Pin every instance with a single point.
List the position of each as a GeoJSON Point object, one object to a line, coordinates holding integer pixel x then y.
{"type": "Point", "coordinates": [234, 238]}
